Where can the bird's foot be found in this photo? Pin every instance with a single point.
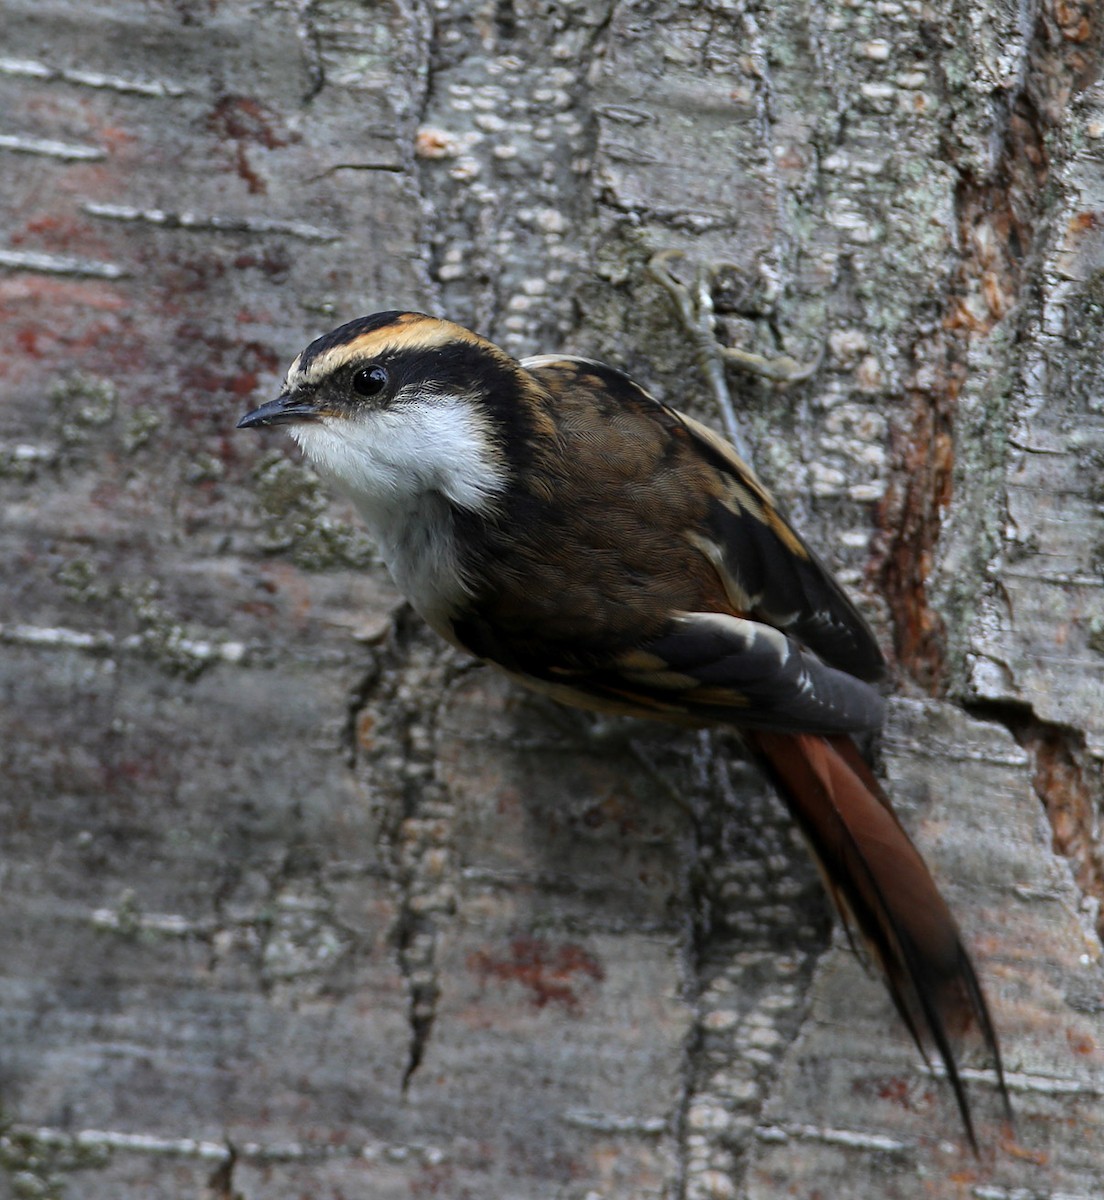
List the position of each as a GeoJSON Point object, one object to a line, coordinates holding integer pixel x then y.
{"type": "Point", "coordinates": [697, 312]}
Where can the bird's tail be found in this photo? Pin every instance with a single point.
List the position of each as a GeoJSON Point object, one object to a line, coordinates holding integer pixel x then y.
{"type": "Point", "coordinates": [883, 889]}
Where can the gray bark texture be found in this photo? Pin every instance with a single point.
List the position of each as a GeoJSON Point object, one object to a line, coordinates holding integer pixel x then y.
{"type": "Point", "coordinates": [296, 901]}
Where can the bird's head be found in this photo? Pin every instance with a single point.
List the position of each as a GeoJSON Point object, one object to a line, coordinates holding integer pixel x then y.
{"type": "Point", "coordinates": [398, 405]}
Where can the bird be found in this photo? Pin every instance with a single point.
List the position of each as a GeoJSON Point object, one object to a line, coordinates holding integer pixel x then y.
{"type": "Point", "coordinates": [551, 518]}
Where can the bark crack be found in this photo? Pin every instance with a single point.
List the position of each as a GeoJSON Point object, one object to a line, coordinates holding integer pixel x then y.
{"type": "Point", "coordinates": [310, 40]}
{"type": "Point", "coordinates": [220, 1183]}
{"type": "Point", "coordinates": [391, 734]}
{"type": "Point", "coordinates": [1067, 780]}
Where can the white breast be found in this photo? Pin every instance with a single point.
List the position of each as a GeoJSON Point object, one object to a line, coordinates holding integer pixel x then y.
{"type": "Point", "coordinates": [405, 467]}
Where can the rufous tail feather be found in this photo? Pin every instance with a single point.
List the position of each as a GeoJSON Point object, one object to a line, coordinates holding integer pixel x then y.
{"type": "Point", "coordinates": [883, 889]}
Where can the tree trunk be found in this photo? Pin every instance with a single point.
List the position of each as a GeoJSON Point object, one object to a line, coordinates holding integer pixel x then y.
{"type": "Point", "coordinates": [298, 902]}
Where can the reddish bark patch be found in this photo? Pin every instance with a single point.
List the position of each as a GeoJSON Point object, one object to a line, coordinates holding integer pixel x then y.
{"type": "Point", "coordinates": [896, 1091]}
{"type": "Point", "coordinates": [1080, 1043]}
{"type": "Point", "coordinates": [911, 512]}
{"type": "Point", "coordinates": [214, 367]}
{"type": "Point", "coordinates": [59, 234]}
{"type": "Point", "coordinates": [246, 122]}
{"type": "Point", "coordinates": [1068, 783]}
{"type": "Point", "coordinates": [998, 216]}
{"type": "Point", "coordinates": [997, 219]}
{"type": "Point", "coordinates": [551, 973]}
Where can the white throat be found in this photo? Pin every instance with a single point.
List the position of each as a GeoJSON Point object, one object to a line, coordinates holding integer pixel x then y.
{"type": "Point", "coordinates": [404, 467]}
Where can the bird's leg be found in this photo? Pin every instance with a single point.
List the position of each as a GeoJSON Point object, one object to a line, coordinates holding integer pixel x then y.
{"type": "Point", "coordinates": [696, 311]}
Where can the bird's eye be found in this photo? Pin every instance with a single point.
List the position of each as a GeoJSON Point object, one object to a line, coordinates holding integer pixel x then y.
{"type": "Point", "coordinates": [369, 381]}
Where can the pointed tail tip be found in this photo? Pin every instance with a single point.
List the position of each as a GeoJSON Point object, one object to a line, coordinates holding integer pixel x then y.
{"type": "Point", "coordinates": [882, 887]}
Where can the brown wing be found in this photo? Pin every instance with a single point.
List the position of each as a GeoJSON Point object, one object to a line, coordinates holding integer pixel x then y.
{"type": "Point", "coordinates": [640, 563]}
{"type": "Point", "coordinates": [769, 562]}
{"type": "Point", "coordinates": [767, 570]}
